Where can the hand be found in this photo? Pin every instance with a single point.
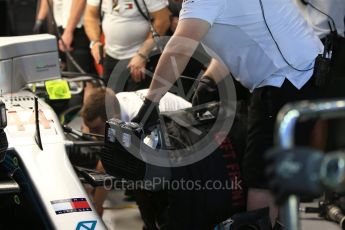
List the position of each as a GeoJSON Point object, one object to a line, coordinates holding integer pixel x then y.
{"type": "Point", "coordinates": [294, 171]}
{"type": "Point", "coordinates": [67, 38]}
{"type": "Point", "coordinates": [37, 26]}
{"type": "Point", "coordinates": [95, 51]}
{"type": "Point", "coordinates": [137, 68]}
{"type": "Point", "coordinates": [148, 115]}
{"type": "Point", "coordinates": [206, 91]}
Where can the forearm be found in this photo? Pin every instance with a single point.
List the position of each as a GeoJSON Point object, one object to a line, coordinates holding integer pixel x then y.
{"type": "Point", "coordinates": [147, 46]}
{"type": "Point", "coordinates": [77, 10]}
{"type": "Point", "coordinates": [176, 55]}
{"type": "Point", "coordinates": [43, 10]}
{"type": "Point", "coordinates": [172, 62]}
{"type": "Point", "coordinates": [92, 23]}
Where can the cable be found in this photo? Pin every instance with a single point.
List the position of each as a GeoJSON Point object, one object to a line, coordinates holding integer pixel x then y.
{"type": "Point", "coordinates": [81, 134]}
{"type": "Point", "coordinates": [332, 27]}
{"type": "Point", "coordinates": [269, 30]}
{"type": "Point", "coordinates": [38, 138]}
{"type": "Point", "coordinates": [155, 35]}
{"type": "Point", "coordinates": [148, 18]}
{"type": "Point", "coordinates": [63, 43]}
{"type": "Point", "coordinates": [76, 74]}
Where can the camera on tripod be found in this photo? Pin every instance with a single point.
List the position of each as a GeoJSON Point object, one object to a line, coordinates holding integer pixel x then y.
{"type": "Point", "coordinates": [125, 152]}
{"type": "Point", "coordinates": [132, 155]}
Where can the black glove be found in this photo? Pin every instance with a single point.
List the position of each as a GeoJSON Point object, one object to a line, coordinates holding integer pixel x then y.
{"type": "Point", "coordinates": [3, 144]}
{"type": "Point", "coordinates": [206, 91]}
{"type": "Point", "coordinates": [294, 171]}
{"type": "Point", "coordinates": [37, 26]}
{"type": "Point", "coordinates": [148, 115]}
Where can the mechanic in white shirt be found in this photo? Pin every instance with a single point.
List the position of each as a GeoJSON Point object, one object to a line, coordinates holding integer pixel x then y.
{"type": "Point", "coordinates": [321, 15]}
{"type": "Point", "coordinates": [170, 102]}
{"type": "Point", "coordinates": [127, 33]}
{"type": "Point", "coordinates": [68, 15]}
{"type": "Point", "coordinates": [125, 106]}
{"type": "Point", "coordinates": [277, 68]}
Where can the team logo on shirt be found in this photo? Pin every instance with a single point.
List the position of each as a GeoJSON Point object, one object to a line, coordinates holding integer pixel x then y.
{"type": "Point", "coordinates": [128, 4]}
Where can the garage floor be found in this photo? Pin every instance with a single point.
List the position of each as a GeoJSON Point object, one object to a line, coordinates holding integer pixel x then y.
{"type": "Point", "coordinates": [119, 214]}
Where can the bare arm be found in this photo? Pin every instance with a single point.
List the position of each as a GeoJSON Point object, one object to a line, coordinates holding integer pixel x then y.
{"type": "Point", "coordinates": [43, 10]}
{"type": "Point", "coordinates": [41, 16]}
{"type": "Point", "coordinates": [92, 28]}
{"type": "Point", "coordinates": [77, 10]}
{"type": "Point", "coordinates": [176, 55]}
{"type": "Point", "coordinates": [161, 23]}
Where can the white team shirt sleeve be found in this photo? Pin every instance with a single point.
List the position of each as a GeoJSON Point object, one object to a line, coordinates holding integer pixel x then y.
{"type": "Point", "coordinates": [207, 10]}
{"type": "Point", "coordinates": [172, 102]}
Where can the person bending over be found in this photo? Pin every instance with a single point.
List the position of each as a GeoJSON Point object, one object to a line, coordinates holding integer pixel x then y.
{"type": "Point", "coordinates": [125, 107]}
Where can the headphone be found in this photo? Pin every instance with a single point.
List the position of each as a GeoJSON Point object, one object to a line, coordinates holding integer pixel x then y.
{"type": "Point", "coordinates": [276, 43]}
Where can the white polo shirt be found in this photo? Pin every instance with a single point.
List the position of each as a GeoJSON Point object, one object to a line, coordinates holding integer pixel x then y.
{"type": "Point", "coordinates": [319, 21]}
{"type": "Point", "coordinates": [131, 102]}
{"type": "Point", "coordinates": [62, 11]}
{"type": "Point", "coordinates": [238, 35]}
{"type": "Point", "coordinates": [57, 11]}
{"type": "Point", "coordinates": [124, 27]}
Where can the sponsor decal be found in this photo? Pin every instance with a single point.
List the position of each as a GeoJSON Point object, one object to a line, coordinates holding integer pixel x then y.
{"type": "Point", "coordinates": [86, 225]}
{"type": "Point", "coordinates": [129, 6]}
{"type": "Point", "coordinates": [70, 205]}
